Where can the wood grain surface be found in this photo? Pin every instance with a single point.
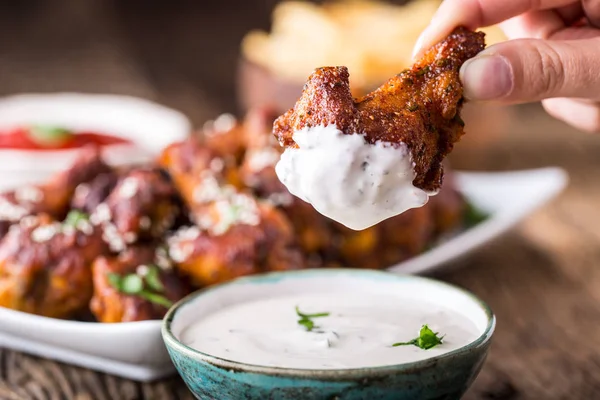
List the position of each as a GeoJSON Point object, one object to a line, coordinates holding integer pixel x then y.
{"type": "Point", "coordinates": [542, 279]}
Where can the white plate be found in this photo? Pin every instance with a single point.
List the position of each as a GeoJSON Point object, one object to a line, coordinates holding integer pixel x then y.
{"type": "Point", "coordinates": [135, 350]}
{"type": "Point", "coordinates": [149, 126]}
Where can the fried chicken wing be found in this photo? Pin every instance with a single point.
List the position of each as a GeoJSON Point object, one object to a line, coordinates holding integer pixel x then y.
{"type": "Point", "coordinates": [225, 136]}
{"type": "Point", "coordinates": [91, 194]}
{"type": "Point", "coordinates": [142, 206]}
{"type": "Point", "coordinates": [237, 237]}
{"type": "Point", "coordinates": [190, 164]}
{"type": "Point", "coordinates": [419, 107]}
{"type": "Point", "coordinates": [45, 266]}
{"type": "Point", "coordinates": [160, 287]}
{"type": "Point", "coordinates": [54, 196]}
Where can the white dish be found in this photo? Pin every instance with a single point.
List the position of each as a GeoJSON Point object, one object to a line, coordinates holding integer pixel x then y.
{"type": "Point", "coordinates": [150, 126]}
{"type": "Point", "coordinates": [135, 350]}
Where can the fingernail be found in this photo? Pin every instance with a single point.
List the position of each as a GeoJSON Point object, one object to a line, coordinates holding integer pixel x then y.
{"type": "Point", "coordinates": [418, 45]}
{"type": "Point", "coordinates": [487, 77]}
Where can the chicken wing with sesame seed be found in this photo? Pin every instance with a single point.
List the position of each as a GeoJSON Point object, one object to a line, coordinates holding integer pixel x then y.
{"type": "Point", "coordinates": [45, 266]}
{"type": "Point", "coordinates": [419, 107]}
{"type": "Point", "coordinates": [241, 237]}
{"type": "Point", "coordinates": [131, 287]}
{"type": "Point", "coordinates": [142, 206]}
{"type": "Point", "coordinates": [52, 197]}
{"type": "Point", "coordinates": [195, 168]}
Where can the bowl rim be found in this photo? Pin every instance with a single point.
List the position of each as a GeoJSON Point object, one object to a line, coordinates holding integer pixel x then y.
{"type": "Point", "coordinates": [173, 343]}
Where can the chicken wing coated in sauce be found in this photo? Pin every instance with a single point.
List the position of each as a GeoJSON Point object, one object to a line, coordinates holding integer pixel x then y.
{"type": "Point", "coordinates": [116, 301]}
{"type": "Point", "coordinates": [90, 195]}
{"type": "Point", "coordinates": [247, 238]}
{"type": "Point", "coordinates": [419, 107]}
{"type": "Point", "coordinates": [142, 206]}
{"type": "Point", "coordinates": [190, 162]}
{"type": "Point", "coordinates": [45, 266]}
{"type": "Point", "coordinates": [54, 196]}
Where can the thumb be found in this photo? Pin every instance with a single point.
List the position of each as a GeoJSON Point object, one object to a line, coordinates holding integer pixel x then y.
{"type": "Point", "coordinates": [527, 70]}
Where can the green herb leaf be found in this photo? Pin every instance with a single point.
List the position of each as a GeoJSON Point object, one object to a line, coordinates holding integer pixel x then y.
{"type": "Point", "coordinates": [155, 298]}
{"type": "Point", "coordinates": [426, 340]}
{"type": "Point", "coordinates": [316, 315]}
{"type": "Point", "coordinates": [74, 217]}
{"type": "Point", "coordinates": [152, 279]}
{"type": "Point", "coordinates": [49, 136]}
{"type": "Point", "coordinates": [115, 281]}
{"type": "Point", "coordinates": [307, 323]}
{"type": "Point", "coordinates": [473, 216]}
{"type": "Point", "coordinates": [132, 284]}
{"type": "Point", "coordinates": [306, 319]}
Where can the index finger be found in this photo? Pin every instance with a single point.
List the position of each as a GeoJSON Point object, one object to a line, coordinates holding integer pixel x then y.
{"type": "Point", "coordinates": [475, 14]}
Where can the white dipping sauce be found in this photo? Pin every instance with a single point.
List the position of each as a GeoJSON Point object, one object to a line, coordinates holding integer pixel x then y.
{"type": "Point", "coordinates": [359, 332]}
{"type": "Point", "coordinates": [353, 182]}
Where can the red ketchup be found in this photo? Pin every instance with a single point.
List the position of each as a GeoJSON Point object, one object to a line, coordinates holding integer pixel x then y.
{"type": "Point", "coordinates": [50, 138]}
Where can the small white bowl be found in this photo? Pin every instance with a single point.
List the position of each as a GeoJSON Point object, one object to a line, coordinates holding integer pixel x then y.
{"type": "Point", "coordinates": [149, 126]}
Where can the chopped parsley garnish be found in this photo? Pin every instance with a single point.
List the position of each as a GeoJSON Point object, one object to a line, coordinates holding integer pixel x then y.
{"type": "Point", "coordinates": [426, 339]}
{"type": "Point", "coordinates": [49, 136]}
{"type": "Point", "coordinates": [74, 217]}
{"type": "Point", "coordinates": [473, 215]}
{"type": "Point", "coordinates": [306, 320]}
{"type": "Point", "coordinates": [148, 287]}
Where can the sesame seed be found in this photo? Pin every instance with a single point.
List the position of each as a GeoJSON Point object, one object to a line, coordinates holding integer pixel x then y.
{"type": "Point", "coordinates": [45, 232]}
{"type": "Point", "coordinates": [29, 221]}
{"type": "Point", "coordinates": [101, 214]}
{"type": "Point", "coordinates": [217, 165]}
{"type": "Point", "coordinates": [263, 158]}
{"type": "Point", "coordinates": [280, 199]}
{"type": "Point", "coordinates": [111, 236]}
{"type": "Point", "coordinates": [85, 227]}
{"type": "Point", "coordinates": [29, 194]}
{"type": "Point", "coordinates": [128, 188]}
{"type": "Point", "coordinates": [224, 122]}
{"type": "Point", "coordinates": [145, 222]}
{"type": "Point", "coordinates": [129, 237]}
{"type": "Point", "coordinates": [161, 257]}
{"type": "Point", "coordinates": [180, 246]}
{"type": "Point", "coordinates": [142, 270]}
{"type": "Point", "coordinates": [10, 211]}
{"type": "Point", "coordinates": [82, 191]}
{"type": "Point", "coordinates": [239, 209]}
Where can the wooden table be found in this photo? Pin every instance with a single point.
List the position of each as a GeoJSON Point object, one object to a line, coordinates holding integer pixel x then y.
{"type": "Point", "coordinates": [542, 279]}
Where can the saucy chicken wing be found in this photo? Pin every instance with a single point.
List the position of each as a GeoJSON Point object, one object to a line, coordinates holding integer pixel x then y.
{"type": "Point", "coordinates": [225, 136]}
{"type": "Point", "coordinates": [190, 162]}
{"type": "Point", "coordinates": [45, 265]}
{"type": "Point", "coordinates": [237, 236]}
{"type": "Point", "coordinates": [54, 196]}
{"type": "Point", "coordinates": [131, 287]}
{"type": "Point", "coordinates": [91, 194]}
{"type": "Point", "coordinates": [420, 107]}
{"type": "Point", "coordinates": [142, 206]}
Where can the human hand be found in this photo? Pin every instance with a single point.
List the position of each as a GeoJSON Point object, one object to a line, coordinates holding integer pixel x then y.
{"type": "Point", "coordinates": [555, 57]}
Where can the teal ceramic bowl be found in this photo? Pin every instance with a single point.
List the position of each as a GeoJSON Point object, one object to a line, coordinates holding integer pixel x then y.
{"type": "Point", "coordinates": [443, 377]}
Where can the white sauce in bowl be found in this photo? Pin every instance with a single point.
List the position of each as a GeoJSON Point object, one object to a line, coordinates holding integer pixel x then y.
{"type": "Point", "coordinates": [349, 180]}
{"type": "Point", "coordinates": [358, 333]}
